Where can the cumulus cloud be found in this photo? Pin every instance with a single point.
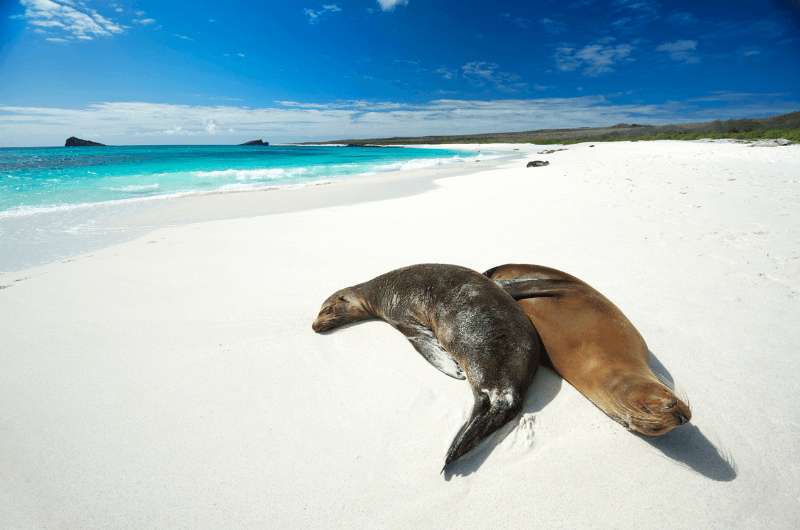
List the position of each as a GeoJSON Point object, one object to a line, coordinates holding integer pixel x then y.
{"type": "Point", "coordinates": [149, 123]}
{"type": "Point", "coordinates": [144, 21]}
{"type": "Point", "coordinates": [389, 5]}
{"type": "Point", "coordinates": [593, 59]}
{"type": "Point", "coordinates": [680, 50]}
{"type": "Point", "coordinates": [315, 14]}
{"type": "Point", "coordinates": [68, 20]}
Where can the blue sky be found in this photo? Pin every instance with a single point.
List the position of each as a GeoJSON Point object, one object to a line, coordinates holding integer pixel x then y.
{"type": "Point", "coordinates": [144, 72]}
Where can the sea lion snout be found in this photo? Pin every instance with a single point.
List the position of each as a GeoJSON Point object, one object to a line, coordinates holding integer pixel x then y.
{"type": "Point", "coordinates": [660, 410]}
{"type": "Point", "coordinates": [342, 307]}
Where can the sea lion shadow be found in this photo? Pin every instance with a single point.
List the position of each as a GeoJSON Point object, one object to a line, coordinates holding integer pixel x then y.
{"type": "Point", "coordinates": [687, 444]}
{"type": "Point", "coordinates": [544, 388]}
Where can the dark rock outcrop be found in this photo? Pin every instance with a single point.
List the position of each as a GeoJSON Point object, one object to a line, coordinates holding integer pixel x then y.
{"type": "Point", "coordinates": [256, 142]}
{"type": "Point", "coordinates": [78, 142]}
{"type": "Point", "coordinates": [538, 163]}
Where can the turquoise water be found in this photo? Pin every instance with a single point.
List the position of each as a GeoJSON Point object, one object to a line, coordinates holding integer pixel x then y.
{"type": "Point", "coordinates": [43, 179]}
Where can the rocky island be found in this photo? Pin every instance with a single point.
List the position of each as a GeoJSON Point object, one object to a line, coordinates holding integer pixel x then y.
{"type": "Point", "coordinates": [256, 142]}
{"type": "Point", "coordinates": [72, 141]}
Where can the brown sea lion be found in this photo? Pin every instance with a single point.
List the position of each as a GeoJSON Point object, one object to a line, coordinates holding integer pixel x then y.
{"type": "Point", "coordinates": [463, 324]}
{"type": "Point", "coordinates": [592, 345]}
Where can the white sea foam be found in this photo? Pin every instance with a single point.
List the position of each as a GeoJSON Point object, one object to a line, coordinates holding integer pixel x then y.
{"type": "Point", "coordinates": [24, 211]}
{"type": "Point", "coordinates": [421, 163]}
{"type": "Point", "coordinates": [137, 188]}
{"type": "Point", "coordinates": [252, 174]}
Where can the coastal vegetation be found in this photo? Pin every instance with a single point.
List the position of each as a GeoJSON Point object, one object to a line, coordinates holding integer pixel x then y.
{"type": "Point", "coordinates": [783, 126]}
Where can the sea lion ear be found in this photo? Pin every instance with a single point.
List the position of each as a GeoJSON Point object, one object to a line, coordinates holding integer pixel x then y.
{"type": "Point", "coordinates": [521, 289]}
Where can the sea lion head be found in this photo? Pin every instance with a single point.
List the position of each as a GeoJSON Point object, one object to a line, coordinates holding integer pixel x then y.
{"type": "Point", "coordinates": [342, 307]}
{"type": "Point", "coordinates": [650, 408]}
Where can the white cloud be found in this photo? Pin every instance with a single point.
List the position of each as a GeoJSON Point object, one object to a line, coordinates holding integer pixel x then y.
{"type": "Point", "coordinates": [648, 6]}
{"type": "Point", "coordinates": [479, 69]}
{"type": "Point", "coordinates": [183, 37]}
{"type": "Point", "coordinates": [633, 14]}
{"type": "Point", "coordinates": [445, 73]}
{"type": "Point", "coordinates": [680, 50]}
{"type": "Point", "coordinates": [149, 123]}
{"type": "Point", "coordinates": [389, 5]}
{"type": "Point", "coordinates": [482, 72]}
{"type": "Point", "coordinates": [144, 21]}
{"type": "Point", "coordinates": [314, 14]}
{"type": "Point", "coordinates": [68, 19]}
{"type": "Point", "coordinates": [593, 59]}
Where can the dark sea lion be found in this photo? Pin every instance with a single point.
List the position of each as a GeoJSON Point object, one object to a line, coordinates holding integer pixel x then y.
{"type": "Point", "coordinates": [463, 324]}
{"type": "Point", "coordinates": [592, 345]}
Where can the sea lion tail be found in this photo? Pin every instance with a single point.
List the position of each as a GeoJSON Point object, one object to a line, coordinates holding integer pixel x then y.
{"type": "Point", "coordinates": [492, 410]}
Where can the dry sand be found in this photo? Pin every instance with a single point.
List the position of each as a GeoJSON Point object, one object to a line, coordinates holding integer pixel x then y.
{"type": "Point", "coordinates": [173, 381]}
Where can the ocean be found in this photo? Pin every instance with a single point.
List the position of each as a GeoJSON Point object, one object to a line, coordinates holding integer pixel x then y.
{"type": "Point", "coordinates": [37, 180]}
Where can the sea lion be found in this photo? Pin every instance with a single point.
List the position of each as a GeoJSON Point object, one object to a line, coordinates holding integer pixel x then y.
{"type": "Point", "coordinates": [592, 345]}
{"type": "Point", "coordinates": [463, 324]}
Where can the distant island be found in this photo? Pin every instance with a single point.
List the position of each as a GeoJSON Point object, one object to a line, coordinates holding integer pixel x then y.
{"type": "Point", "coordinates": [72, 141]}
{"type": "Point", "coordinates": [783, 126]}
{"type": "Point", "coordinates": [256, 142]}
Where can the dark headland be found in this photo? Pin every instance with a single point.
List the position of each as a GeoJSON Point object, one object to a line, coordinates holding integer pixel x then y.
{"type": "Point", "coordinates": [256, 142]}
{"type": "Point", "coordinates": [79, 142]}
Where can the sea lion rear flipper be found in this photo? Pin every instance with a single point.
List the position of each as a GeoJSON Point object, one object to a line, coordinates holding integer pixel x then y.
{"type": "Point", "coordinates": [521, 289]}
{"type": "Point", "coordinates": [492, 409]}
{"type": "Point", "coordinates": [431, 349]}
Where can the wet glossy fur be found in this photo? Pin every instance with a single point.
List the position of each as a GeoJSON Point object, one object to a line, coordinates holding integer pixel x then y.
{"type": "Point", "coordinates": [463, 324]}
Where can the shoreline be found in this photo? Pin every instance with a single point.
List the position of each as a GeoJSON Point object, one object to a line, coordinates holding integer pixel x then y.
{"type": "Point", "coordinates": [77, 229]}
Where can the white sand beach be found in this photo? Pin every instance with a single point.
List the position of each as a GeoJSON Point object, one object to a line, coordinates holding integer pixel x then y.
{"type": "Point", "coordinates": [173, 380]}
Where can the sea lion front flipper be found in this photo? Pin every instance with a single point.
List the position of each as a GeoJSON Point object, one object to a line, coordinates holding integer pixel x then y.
{"type": "Point", "coordinates": [425, 342]}
{"type": "Point", "coordinates": [521, 289]}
